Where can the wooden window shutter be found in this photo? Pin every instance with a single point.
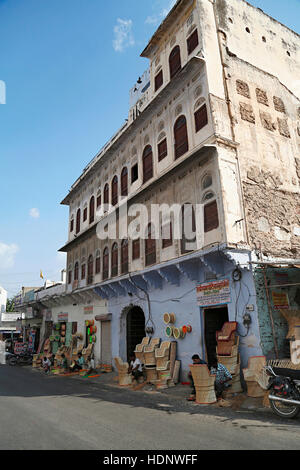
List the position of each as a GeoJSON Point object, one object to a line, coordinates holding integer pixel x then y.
{"type": "Point", "coordinates": [150, 247]}
{"type": "Point", "coordinates": [78, 216]}
{"type": "Point", "coordinates": [188, 217]}
{"type": "Point", "coordinates": [83, 271]}
{"type": "Point", "coordinates": [72, 225]}
{"type": "Point", "coordinates": [98, 201]}
{"type": "Point", "coordinates": [74, 327]}
{"type": "Point", "coordinates": [174, 61]}
{"type": "Point", "coordinates": [147, 164]}
{"type": "Point", "coordinates": [124, 182]}
{"type": "Point", "coordinates": [106, 194]}
{"type": "Point", "coordinates": [92, 209]}
{"type": "Point", "coordinates": [201, 118]}
{"type": "Point", "coordinates": [105, 263]}
{"type": "Point", "coordinates": [97, 266]}
{"type": "Point", "coordinates": [124, 257]}
{"type": "Point", "coordinates": [76, 272]}
{"type": "Point", "coordinates": [166, 235]}
{"type": "Point", "coordinates": [114, 260]}
{"type": "Point", "coordinates": [211, 218]}
{"type": "Point", "coordinates": [159, 79]}
{"type": "Point", "coordinates": [192, 41]}
{"type": "Point", "coordinates": [180, 137]}
{"type": "Point", "coordinates": [84, 214]}
{"type": "Point", "coordinates": [114, 191]}
{"type": "Point", "coordinates": [162, 150]}
{"type": "Point", "coordinates": [70, 277]}
{"type": "Point", "coordinates": [136, 249]}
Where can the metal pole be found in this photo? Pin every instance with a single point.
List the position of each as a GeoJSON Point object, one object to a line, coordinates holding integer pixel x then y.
{"type": "Point", "coordinates": [270, 312]}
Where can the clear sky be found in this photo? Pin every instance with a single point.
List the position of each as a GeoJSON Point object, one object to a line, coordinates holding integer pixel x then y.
{"type": "Point", "coordinates": [68, 66]}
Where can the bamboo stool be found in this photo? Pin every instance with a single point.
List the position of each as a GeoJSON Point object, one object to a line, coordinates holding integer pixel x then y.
{"type": "Point", "coordinates": [125, 379]}
{"type": "Point", "coordinates": [149, 352]}
{"type": "Point", "coordinates": [255, 366]}
{"type": "Point", "coordinates": [204, 384]}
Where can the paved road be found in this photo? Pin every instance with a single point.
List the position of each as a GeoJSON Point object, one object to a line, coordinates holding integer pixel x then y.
{"type": "Point", "coordinates": [55, 413]}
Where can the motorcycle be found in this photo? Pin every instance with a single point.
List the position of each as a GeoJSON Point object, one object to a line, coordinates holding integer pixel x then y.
{"type": "Point", "coordinates": [20, 359]}
{"type": "Point", "coordinates": [284, 386]}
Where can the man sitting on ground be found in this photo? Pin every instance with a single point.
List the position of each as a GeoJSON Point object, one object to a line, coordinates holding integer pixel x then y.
{"type": "Point", "coordinates": [223, 376]}
{"type": "Point", "coordinates": [78, 364]}
{"type": "Point", "coordinates": [196, 360]}
{"type": "Point", "coordinates": [46, 365]}
{"type": "Point", "coordinates": [91, 365]}
{"type": "Point", "coordinates": [135, 367]}
{"type": "Point", "coordinates": [63, 363]}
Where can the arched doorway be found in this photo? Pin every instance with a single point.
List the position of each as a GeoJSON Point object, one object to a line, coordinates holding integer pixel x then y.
{"type": "Point", "coordinates": [135, 328]}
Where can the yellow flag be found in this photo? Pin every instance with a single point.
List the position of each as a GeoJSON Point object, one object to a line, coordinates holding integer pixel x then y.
{"type": "Point", "coordinates": [41, 275]}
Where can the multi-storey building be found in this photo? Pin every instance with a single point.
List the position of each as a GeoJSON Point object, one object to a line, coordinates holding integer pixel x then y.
{"type": "Point", "coordinates": [213, 128]}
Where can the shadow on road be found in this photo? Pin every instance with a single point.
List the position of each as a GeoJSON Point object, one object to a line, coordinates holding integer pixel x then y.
{"type": "Point", "coordinates": [26, 382]}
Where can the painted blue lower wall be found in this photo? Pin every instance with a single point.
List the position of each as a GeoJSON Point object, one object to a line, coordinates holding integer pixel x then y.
{"type": "Point", "coordinates": [178, 294]}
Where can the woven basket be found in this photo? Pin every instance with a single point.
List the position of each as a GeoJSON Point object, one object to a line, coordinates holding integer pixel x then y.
{"type": "Point", "coordinates": [205, 395]}
{"type": "Point", "coordinates": [169, 331]}
{"type": "Point", "coordinates": [149, 358]}
{"type": "Point", "coordinates": [176, 333]}
{"type": "Point", "coordinates": [125, 379]}
{"type": "Point", "coordinates": [162, 364]}
{"type": "Point", "coordinates": [254, 390]}
{"type": "Point", "coordinates": [169, 318]}
{"type": "Point", "coordinates": [151, 374]}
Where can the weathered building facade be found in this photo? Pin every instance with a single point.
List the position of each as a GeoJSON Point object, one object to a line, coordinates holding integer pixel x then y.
{"type": "Point", "coordinates": [215, 130]}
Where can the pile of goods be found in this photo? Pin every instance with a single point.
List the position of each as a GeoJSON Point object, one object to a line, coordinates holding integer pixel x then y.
{"type": "Point", "coordinates": [228, 355]}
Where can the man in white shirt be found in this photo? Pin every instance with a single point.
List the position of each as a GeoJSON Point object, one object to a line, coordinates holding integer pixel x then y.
{"type": "Point", "coordinates": [46, 364]}
{"type": "Point", "coordinates": [135, 367]}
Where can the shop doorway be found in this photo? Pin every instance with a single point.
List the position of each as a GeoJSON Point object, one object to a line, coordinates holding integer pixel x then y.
{"type": "Point", "coordinates": [135, 328]}
{"type": "Point", "coordinates": [214, 319]}
{"type": "Point", "coordinates": [106, 342]}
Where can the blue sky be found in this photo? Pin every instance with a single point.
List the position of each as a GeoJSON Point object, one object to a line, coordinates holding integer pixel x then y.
{"type": "Point", "coordinates": [68, 66]}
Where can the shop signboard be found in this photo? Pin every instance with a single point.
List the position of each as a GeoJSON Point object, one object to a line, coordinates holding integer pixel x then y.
{"type": "Point", "coordinates": [20, 348]}
{"type": "Point", "coordinates": [280, 300]}
{"type": "Point", "coordinates": [214, 293]}
{"type": "Point", "coordinates": [89, 309]}
{"type": "Point", "coordinates": [62, 317]}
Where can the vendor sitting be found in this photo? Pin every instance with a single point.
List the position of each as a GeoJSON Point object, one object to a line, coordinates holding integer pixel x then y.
{"type": "Point", "coordinates": [91, 365]}
{"type": "Point", "coordinates": [63, 363]}
{"type": "Point", "coordinates": [46, 364]}
{"type": "Point", "coordinates": [135, 367]}
{"type": "Point", "coordinates": [223, 377]}
{"type": "Point", "coordinates": [196, 360]}
{"type": "Point", "coordinates": [78, 365]}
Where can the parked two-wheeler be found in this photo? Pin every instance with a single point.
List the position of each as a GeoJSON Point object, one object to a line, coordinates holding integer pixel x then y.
{"type": "Point", "coordinates": [284, 386]}
{"type": "Point", "coordinates": [20, 359]}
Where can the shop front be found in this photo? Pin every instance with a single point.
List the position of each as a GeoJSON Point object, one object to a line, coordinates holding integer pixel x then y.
{"type": "Point", "coordinates": [202, 292]}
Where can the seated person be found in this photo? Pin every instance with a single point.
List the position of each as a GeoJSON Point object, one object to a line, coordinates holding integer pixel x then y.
{"type": "Point", "coordinates": [135, 367]}
{"type": "Point", "coordinates": [46, 364]}
{"type": "Point", "coordinates": [78, 364]}
{"type": "Point", "coordinates": [64, 362]}
{"type": "Point", "coordinates": [52, 359]}
{"type": "Point", "coordinates": [91, 365]}
{"type": "Point", "coordinates": [222, 377]}
{"type": "Point", "coordinates": [196, 360]}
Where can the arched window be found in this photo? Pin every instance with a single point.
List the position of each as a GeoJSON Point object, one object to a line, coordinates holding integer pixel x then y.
{"type": "Point", "coordinates": [92, 209]}
{"type": "Point", "coordinates": [83, 269]}
{"type": "Point", "coordinates": [180, 137]}
{"type": "Point", "coordinates": [124, 257]}
{"type": "Point", "coordinates": [150, 246]}
{"type": "Point", "coordinates": [106, 195]}
{"type": "Point", "coordinates": [85, 212]}
{"type": "Point", "coordinates": [72, 224]}
{"type": "Point", "coordinates": [147, 164]}
{"type": "Point", "coordinates": [114, 191]}
{"type": "Point", "coordinates": [114, 260]}
{"type": "Point", "coordinates": [124, 182]}
{"type": "Point", "coordinates": [98, 201]}
{"type": "Point", "coordinates": [70, 274]}
{"type": "Point", "coordinates": [76, 271]}
{"type": "Point", "coordinates": [211, 216]}
{"type": "Point", "coordinates": [97, 263]}
{"type": "Point", "coordinates": [90, 269]}
{"type": "Point", "coordinates": [175, 61]}
{"type": "Point", "coordinates": [105, 266]}
{"type": "Point", "coordinates": [167, 234]}
{"type": "Point", "coordinates": [188, 228]}
{"type": "Point", "coordinates": [78, 221]}
{"type": "Point", "coordinates": [201, 118]}
{"type": "Point", "coordinates": [207, 181]}
{"type": "Point", "coordinates": [136, 249]}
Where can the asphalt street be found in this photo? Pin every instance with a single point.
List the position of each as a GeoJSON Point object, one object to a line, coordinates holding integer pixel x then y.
{"type": "Point", "coordinates": [40, 412]}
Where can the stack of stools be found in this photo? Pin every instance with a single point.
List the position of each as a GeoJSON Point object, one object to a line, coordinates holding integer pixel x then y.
{"type": "Point", "coordinates": [162, 358]}
{"type": "Point", "coordinates": [228, 355]}
{"type": "Point", "coordinates": [149, 360]}
{"type": "Point", "coordinates": [251, 376]}
{"type": "Point", "coordinates": [204, 384]}
{"type": "Point", "coordinates": [125, 379]}
{"type": "Point", "coordinates": [139, 349]}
